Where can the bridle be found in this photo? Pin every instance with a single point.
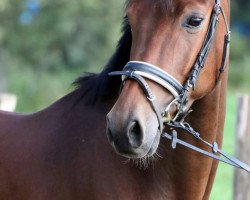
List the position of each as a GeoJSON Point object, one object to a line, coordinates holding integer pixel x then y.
{"type": "Point", "coordinates": [138, 71]}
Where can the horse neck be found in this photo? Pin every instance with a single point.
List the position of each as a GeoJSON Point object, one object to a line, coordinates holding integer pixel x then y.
{"type": "Point", "coordinates": [181, 166]}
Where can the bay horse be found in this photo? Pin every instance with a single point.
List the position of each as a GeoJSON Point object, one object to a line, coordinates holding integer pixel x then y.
{"type": "Point", "coordinates": [62, 152]}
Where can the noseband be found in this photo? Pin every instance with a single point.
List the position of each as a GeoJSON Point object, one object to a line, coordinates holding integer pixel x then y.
{"type": "Point", "coordinates": [138, 71]}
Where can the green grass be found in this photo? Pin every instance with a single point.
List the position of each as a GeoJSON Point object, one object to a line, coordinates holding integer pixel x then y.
{"type": "Point", "coordinates": [223, 186]}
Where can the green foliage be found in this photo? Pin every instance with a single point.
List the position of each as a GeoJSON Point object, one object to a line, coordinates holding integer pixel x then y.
{"type": "Point", "coordinates": [240, 11]}
{"type": "Point", "coordinates": [66, 38]}
{"type": "Point", "coordinates": [36, 89]}
{"type": "Point", "coordinates": [239, 62]}
{"type": "Point", "coordinates": [69, 34]}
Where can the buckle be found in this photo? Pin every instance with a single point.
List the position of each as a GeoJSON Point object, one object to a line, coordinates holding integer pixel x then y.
{"type": "Point", "coordinates": [217, 8]}
{"type": "Point", "coordinates": [174, 139]}
{"type": "Point", "coordinates": [166, 116]}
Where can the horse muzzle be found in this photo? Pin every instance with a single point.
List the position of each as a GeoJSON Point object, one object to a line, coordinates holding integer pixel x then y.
{"type": "Point", "coordinates": [132, 138]}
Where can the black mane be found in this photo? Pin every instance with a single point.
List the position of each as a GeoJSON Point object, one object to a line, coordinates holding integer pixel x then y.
{"type": "Point", "coordinates": [101, 87]}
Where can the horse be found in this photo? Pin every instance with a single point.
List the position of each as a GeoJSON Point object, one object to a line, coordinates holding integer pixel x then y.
{"type": "Point", "coordinates": [103, 140]}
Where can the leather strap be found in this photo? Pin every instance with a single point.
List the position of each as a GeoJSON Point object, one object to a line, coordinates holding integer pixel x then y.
{"type": "Point", "coordinates": [215, 151]}
{"type": "Point", "coordinates": [147, 91]}
{"type": "Point", "coordinates": [227, 40]}
{"type": "Point", "coordinates": [202, 56]}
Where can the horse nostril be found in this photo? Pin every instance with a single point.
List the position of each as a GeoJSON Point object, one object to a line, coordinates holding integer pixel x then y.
{"type": "Point", "coordinates": [135, 134]}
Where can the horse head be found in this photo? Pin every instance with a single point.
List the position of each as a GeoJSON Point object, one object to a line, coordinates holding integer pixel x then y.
{"type": "Point", "coordinates": [171, 42]}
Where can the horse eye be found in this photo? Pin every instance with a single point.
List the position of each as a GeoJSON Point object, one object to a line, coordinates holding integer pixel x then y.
{"type": "Point", "coordinates": [194, 22]}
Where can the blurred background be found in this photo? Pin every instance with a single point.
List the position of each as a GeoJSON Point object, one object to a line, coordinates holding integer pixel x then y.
{"type": "Point", "coordinates": [45, 45]}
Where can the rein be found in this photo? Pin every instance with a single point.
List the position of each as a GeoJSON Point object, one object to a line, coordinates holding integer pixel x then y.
{"type": "Point", "coordinates": [137, 71]}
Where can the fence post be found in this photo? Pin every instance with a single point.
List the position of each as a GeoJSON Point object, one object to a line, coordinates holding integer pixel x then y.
{"type": "Point", "coordinates": [241, 178]}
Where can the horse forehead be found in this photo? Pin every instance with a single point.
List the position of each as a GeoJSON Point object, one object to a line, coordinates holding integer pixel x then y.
{"type": "Point", "coordinates": [184, 3]}
{"type": "Point", "coordinates": [172, 5]}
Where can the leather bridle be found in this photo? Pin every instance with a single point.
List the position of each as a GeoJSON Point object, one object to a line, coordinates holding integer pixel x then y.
{"type": "Point", "coordinates": [138, 71]}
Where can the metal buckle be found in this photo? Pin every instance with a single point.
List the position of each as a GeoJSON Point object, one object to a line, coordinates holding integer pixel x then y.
{"type": "Point", "coordinates": [217, 7]}
{"type": "Point", "coordinates": [166, 117]}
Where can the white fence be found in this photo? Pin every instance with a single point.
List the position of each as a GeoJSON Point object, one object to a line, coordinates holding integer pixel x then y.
{"type": "Point", "coordinates": [8, 102]}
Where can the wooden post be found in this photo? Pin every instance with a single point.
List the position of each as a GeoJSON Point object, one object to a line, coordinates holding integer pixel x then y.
{"type": "Point", "coordinates": [8, 102]}
{"type": "Point", "coordinates": [242, 178]}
